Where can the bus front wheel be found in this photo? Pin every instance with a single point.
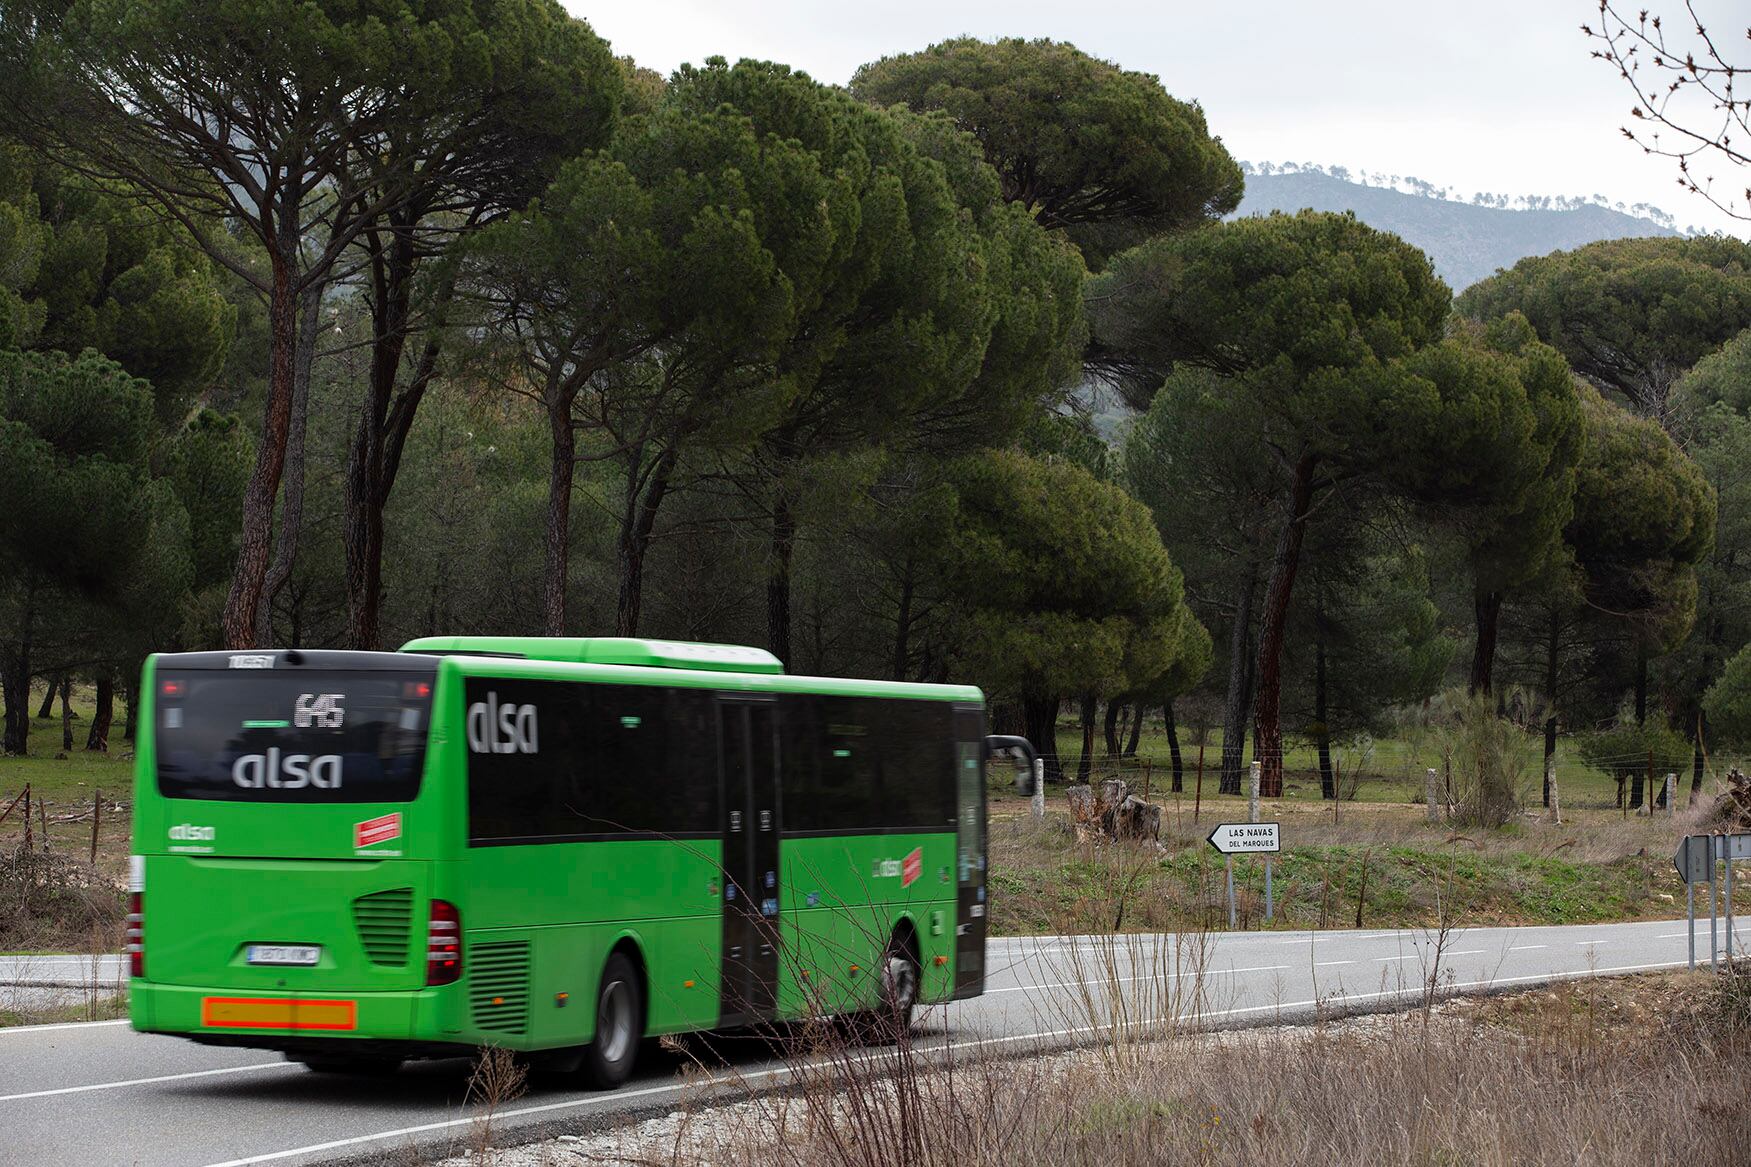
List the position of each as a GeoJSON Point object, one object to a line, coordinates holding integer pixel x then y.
{"type": "Point", "coordinates": [619, 1024]}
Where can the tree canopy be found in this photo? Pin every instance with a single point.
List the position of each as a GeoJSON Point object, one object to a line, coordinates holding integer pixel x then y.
{"type": "Point", "coordinates": [1082, 144]}
{"type": "Point", "coordinates": [1631, 315]}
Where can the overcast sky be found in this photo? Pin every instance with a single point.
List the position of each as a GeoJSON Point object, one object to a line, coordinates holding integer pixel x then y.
{"type": "Point", "coordinates": [1492, 95]}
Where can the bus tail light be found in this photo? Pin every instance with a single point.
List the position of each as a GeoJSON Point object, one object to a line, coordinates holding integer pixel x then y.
{"type": "Point", "coordinates": [444, 944]}
{"type": "Point", "coordinates": [136, 934]}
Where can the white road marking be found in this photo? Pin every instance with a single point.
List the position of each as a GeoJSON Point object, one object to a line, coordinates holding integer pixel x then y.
{"type": "Point", "coordinates": [1462, 952]}
{"type": "Point", "coordinates": [782, 1071]}
{"type": "Point", "coordinates": [1527, 947]}
{"type": "Point", "coordinates": [1329, 963]}
{"type": "Point", "coordinates": [10, 1029]}
{"type": "Point", "coordinates": [149, 1081]}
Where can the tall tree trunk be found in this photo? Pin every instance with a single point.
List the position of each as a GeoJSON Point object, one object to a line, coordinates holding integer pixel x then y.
{"type": "Point", "coordinates": [1641, 718]}
{"type": "Point", "coordinates": [130, 704]}
{"type": "Point", "coordinates": [15, 678]}
{"type": "Point", "coordinates": [1085, 765]}
{"type": "Point", "coordinates": [104, 715]}
{"type": "Point", "coordinates": [1552, 643]}
{"type": "Point", "coordinates": [903, 627]}
{"type": "Point", "coordinates": [1237, 709]}
{"type": "Point", "coordinates": [1179, 768]}
{"type": "Point", "coordinates": [292, 483]}
{"type": "Point", "coordinates": [1697, 758]}
{"type": "Point", "coordinates": [1328, 787]}
{"type": "Point", "coordinates": [1487, 607]}
{"type": "Point", "coordinates": [559, 510]}
{"type": "Point", "coordinates": [1274, 623]}
{"type": "Point", "coordinates": [1041, 717]}
{"type": "Point", "coordinates": [256, 538]}
{"type": "Point", "coordinates": [638, 520]}
{"type": "Point", "coordinates": [778, 576]}
{"type": "Point", "coordinates": [47, 709]}
{"type": "Point", "coordinates": [1114, 708]}
{"type": "Point", "coordinates": [1136, 731]}
{"type": "Point", "coordinates": [66, 713]}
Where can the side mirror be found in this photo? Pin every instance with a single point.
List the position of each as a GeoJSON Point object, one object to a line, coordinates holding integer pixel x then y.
{"type": "Point", "coordinates": [1021, 751]}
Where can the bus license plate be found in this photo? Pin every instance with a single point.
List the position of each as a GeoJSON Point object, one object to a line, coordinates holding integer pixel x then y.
{"type": "Point", "coordinates": [304, 955]}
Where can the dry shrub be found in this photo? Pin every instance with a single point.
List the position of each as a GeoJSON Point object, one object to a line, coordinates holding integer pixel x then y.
{"type": "Point", "coordinates": [49, 899]}
{"type": "Point", "coordinates": [1643, 1070]}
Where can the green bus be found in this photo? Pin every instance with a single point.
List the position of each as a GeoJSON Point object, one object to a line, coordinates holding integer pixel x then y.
{"type": "Point", "coordinates": [557, 846]}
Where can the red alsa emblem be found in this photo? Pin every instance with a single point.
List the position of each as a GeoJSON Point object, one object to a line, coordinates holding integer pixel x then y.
{"type": "Point", "coordinates": [912, 867]}
{"type": "Point", "coordinates": [378, 830]}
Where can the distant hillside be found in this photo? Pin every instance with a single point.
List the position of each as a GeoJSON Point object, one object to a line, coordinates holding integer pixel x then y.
{"type": "Point", "coordinates": [1466, 241]}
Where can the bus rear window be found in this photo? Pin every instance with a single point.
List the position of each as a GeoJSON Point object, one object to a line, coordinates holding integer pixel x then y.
{"type": "Point", "coordinates": [291, 737]}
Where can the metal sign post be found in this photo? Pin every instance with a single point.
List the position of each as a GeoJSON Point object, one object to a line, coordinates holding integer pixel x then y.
{"type": "Point", "coordinates": [1230, 892]}
{"type": "Point", "coordinates": [1231, 839]}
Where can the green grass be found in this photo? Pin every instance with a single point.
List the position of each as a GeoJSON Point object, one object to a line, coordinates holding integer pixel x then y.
{"type": "Point", "coordinates": [1385, 769]}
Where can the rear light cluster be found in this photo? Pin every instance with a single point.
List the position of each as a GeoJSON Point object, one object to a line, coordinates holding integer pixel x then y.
{"type": "Point", "coordinates": [444, 944]}
{"type": "Point", "coordinates": [136, 934]}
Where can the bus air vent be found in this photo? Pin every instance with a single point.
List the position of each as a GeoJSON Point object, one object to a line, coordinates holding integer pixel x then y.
{"type": "Point", "coordinates": [384, 920]}
{"type": "Point", "coordinates": [498, 986]}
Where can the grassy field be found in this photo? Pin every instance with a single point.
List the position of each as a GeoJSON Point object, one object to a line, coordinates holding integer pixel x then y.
{"type": "Point", "coordinates": [1377, 865]}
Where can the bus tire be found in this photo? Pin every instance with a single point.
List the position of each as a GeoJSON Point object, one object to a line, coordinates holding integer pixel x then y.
{"type": "Point", "coordinates": [608, 1060]}
{"type": "Point", "coordinates": [901, 978]}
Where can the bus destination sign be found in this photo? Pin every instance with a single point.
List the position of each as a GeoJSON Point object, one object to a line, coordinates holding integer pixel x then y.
{"type": "Point", "coordinates": [1246, 838]}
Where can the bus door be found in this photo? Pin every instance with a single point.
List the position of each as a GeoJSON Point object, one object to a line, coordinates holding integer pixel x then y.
{"type": "Point", "coordinates": [970, 895]}
{"type": "Point", "coordinates": [748, 760]}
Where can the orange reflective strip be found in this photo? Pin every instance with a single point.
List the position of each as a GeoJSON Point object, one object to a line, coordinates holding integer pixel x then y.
{"type": "Point", "coordinates": [277, 1013]}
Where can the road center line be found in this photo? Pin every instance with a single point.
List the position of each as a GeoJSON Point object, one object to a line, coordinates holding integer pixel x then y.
{"type": "Point", "coordinates": [149, 1081]}
{"type": "Point", "coordinates": [1527, 947]}
{"type": "Point", "coordinates": [1329, 963]}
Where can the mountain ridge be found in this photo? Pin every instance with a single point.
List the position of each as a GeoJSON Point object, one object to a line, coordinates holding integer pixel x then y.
{"type": "Point", "coordinates": [1466, 241]}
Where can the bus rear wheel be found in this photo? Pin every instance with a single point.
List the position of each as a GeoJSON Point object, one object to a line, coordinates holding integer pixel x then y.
{"type": "Point", "coordinates": [608, 1060]}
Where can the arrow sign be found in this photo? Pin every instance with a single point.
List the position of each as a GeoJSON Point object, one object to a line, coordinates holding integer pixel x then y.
{"type": "Point", "coordinates": [1692, 859]}
{"type": "Point", "coordinates": [1246, 838]}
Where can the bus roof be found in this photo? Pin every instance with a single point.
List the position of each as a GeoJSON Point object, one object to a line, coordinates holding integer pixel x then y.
{"type": "Point", "coordinates": [607, 650]}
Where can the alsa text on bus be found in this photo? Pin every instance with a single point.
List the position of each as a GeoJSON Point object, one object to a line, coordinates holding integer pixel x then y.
{"type": "Point", "coordinates": [501, 729]}
{"type": "Point", "coordinates": [288, 771]}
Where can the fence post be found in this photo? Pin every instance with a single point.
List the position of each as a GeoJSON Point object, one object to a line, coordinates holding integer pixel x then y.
{"type": "Point", "coordinates": [1430, 794]}
{"type": "Point", "coordinates": [27, 843]}
{"type": "Point", "coordinates": [1252, 801]}
{"type": "Point", "coordinates": [1671, 796]}
{"type": "Point", "coordinates": [96, 820]}
{"type": "Point", "coordinates": [1038, 802]}
{"type": "Point", "coordinates": [1556, 803]}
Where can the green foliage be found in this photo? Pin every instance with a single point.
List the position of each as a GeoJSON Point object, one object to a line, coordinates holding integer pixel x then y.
{"type": "Point", "coordinates": [82, 265]}
{"type": "Point", "coordinates": [1080, 143]}
{"type": "Point", "coordinates": [1519, 445]}
{"type": "Point", "coordinates": [1624, 747]}
{"type": "Point", "coordinates": [1728, 700]}
{"type": "Point", "coordinates": [1068, 587]}
{"type": "Point", "coordinates": [1644, 517]}
{"type": "Point", "coordinates": [1630, 314]}
{"type": "Point", "coordinates": [1308, 308]}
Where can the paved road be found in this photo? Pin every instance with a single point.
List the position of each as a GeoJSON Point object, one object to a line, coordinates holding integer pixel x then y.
{"type": "Point", "coordinates": [46, 981]}
{"type": "Point", "coordinates": [99, 1093]}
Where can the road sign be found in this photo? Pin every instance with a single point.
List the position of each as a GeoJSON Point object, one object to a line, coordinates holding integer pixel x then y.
{"type": "Point", "coordinates": [1246, 838]}
{"type": "Point", "coordinates": [1692, 859]}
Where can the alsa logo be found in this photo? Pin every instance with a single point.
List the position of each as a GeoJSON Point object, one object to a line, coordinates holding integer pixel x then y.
{"type": "Point", "coordinates": [907, 870]}
{"type": "Point", "coordinates": [189, 833]}
{"type": "Point", "coordinates": [287, 771]}
{"type": "Point", "coordinates": [501, 729]}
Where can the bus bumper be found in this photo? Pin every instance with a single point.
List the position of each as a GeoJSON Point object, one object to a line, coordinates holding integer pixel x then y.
{"type": "Point", "coordinates": [296, 1021]}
